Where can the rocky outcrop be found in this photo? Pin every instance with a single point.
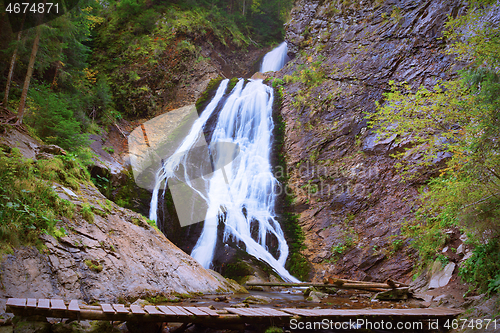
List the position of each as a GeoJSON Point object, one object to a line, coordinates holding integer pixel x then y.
{"type": "Point", "coordinates": [351, 199]}
{"type": "Point", "coordinates": [103, 253]}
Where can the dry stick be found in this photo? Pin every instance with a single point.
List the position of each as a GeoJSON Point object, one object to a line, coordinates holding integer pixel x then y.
{"type": "Point", "coordinates": [114, 123]}
{"type": "Point", "coordinates": [359, 286]}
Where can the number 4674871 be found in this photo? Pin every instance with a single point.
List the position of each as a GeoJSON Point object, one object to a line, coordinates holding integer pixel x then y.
{"type": "Point", "coordinates": [26, 7]}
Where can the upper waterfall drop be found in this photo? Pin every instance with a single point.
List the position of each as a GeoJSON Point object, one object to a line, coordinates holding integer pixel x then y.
{"type": "Point", "coordinates": [275, 59]}
{"type": "Point", "coordinates": [239, 194]}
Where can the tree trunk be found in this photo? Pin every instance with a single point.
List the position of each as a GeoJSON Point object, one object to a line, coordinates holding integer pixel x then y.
{"type": "Point", "coordinates": [11, 68]}
{"type": "Point", "coordinates": [26, 85]}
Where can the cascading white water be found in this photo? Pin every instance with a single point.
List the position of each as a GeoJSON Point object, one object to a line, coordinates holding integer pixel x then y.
{"type": "Point", "coordinates": [241, 193]}
{"type": "Point", "coordinates": [275, 60]}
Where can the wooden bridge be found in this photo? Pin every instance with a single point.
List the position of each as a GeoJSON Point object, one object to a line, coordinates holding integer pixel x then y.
{"type": "Point", "coordinates": [223, 318]}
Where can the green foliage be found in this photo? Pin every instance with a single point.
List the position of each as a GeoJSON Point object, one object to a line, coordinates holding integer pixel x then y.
{"type": "Point", "coordinates": [277, 83]}
{"type": "Point", "coordinates": [483, 268]}
{"type": "Point", "coordinates": [341, 247]}
{"type": "Point", "coordinates": [311, 77]}
{"type": "Point", "coordinates": [87, 213]}
{"type": "Point", "coordinates": [94, 265]}
{"type": "Point", "coordinates": [28, 206]}
{"type": "Point", "coordinates": [460, 118]}
{"type": "Point", "coordinates": [66, 170]}
{"type": "Point", "coordinates": [53, 119]}
{"type": "Point", "coordinates": [232, 84]}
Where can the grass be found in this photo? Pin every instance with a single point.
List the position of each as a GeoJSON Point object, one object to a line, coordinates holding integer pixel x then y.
{"type": "Point", "coordinates": [29, 206]}
{"type": "Point", "coordinates": [94, 265]}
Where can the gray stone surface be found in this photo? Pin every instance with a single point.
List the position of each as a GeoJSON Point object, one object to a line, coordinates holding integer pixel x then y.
{"type": "Point", "coordinates": [136, 260]}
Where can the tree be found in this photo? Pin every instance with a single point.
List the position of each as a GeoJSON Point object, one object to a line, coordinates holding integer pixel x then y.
{"type": "Point", "coordinates": [11, 67]}
{"type": "Point", "coordinates": [31, 65]}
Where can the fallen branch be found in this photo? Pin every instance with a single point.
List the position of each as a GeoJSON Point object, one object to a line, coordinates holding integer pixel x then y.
{"type": "Point", "coordinates": [360, 285]}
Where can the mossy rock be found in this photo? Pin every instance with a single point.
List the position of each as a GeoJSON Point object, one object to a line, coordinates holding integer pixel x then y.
{"type": "Point", "coordinates": [208, 94]}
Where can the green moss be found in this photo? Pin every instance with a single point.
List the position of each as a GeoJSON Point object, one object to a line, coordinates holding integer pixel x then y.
{"type": "Point", "coordinates": [237, 270]}
{"type": "Point", "coordinates": [94, 265]}
{"type": "Point", "coordinates": [66, 170]}
{"type": "Point", "coordinates": [232, 84]}
{"type": "Point", "coordinates": [297, 263]}
{"type": "Point", "coordinates": [183, 295]}
{"type": "Point", "coordinates": [156, 299]}
{"type": "Point", "coordinates": [207, 95]}
{"type": "Point", "coordinates": [87, 213]}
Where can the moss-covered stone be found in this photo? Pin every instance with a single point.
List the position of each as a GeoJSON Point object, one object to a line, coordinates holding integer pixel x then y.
{"type": "Point", "coordinates": [207, 95]}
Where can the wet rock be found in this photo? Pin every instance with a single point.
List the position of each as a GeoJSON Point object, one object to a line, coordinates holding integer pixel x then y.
{"type": "Point", "coordinates": [84, 326]}
{"type": "Point", "coordinates": [31, 325]}
{"type": "Point", "coordinates": [313, 298]}
{"type": "Point", "coordinates": [52, 149]}
{"type": "Point", "coordinates": [423, 296]}
{"type": "Point", "coordinates": [373, 144]}
{"type": "Point", "coordinates": [257, 299]}
{"type": "Point", "coordinates": [394, 294]}
{"type": "Point", "coordinates": [239, 305]}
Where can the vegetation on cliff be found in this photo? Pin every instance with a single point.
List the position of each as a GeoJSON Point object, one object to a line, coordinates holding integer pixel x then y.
{"type": "Point", "coordinates": [29, 205]}
{"type": "Point", "coordinates": [460, 118]}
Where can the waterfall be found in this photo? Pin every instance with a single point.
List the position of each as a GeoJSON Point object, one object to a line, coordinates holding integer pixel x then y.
{"type": "Point", "coordinates": [275, 60]}
{"type": "Point", "coordinates": [240, 192]}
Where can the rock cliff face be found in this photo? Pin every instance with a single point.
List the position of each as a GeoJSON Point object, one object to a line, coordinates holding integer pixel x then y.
{"type": "Point", "coordinates": [350, 197]}
{"type": "Point", "coordinates": [105, 255]}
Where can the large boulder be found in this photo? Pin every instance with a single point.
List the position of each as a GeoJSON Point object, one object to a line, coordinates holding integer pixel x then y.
{"type": "Point", "coordinates": [116, 255]}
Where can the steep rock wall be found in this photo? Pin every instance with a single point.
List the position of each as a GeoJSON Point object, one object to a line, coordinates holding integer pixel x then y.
{"type": "Point", "coordinates": [350, 197]}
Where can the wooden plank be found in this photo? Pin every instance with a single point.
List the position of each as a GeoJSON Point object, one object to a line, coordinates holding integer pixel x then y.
{"type": "Point", "coordinates": [179, 311]}
{"type": "Point", "coordinates": [248, 312]}
{"type": "Point", "coordinates": [238, 311]}
{"type": "Point", "coordinates": [120, 308]}
{"type": "Point", "coordinates": [299, 312]}
{"type": "Point", "coordinates": [57, 304]}
{"type": "Point", "coordinates": [136, 309]}
{"type": "Point", "coordinates": [276, 313]}
{"type": "Point", "coordinates": [166, 310]}
{"type": "Point", "coordinates": [43, 303]}
{"type": "Point", "coordinates": [152, 310]}
{"type": "Point", "coordinates": [259, 312]}
{"type": "Point", "coordinates": [73, 306]}
{"type": "Point", "coordinates": [16, 302]}
{"type": "Point", "coordinates": [209, 311]}
{"type": "Point", "coordinates": [107, 308]}
{"type": "Point", "coordinates": [31, 303]}
{"type": "Point", "coordinates": [196, 311]}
